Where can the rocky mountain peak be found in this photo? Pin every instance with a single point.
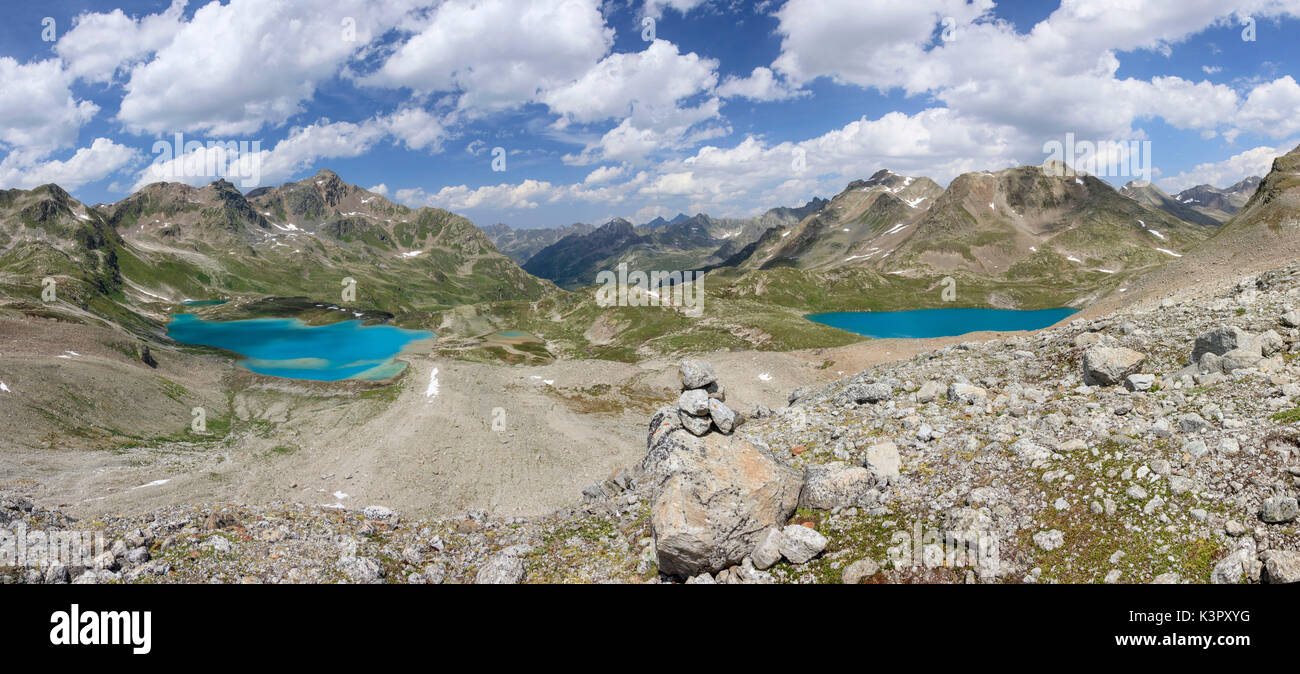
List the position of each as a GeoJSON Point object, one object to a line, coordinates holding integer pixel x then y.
{"type": "Point", "coordinates": [883, 178]}
{"type": "Point", "coordinates": [224, 189]}
{"type": "Point", "coordinates": [1059, 169]}
{"type": "Point", "coordinates": [1245, 186]}
{"type": "Point", "coordinates": [617, 225]}
{"type": "Point", "coordinates": [54, 192]}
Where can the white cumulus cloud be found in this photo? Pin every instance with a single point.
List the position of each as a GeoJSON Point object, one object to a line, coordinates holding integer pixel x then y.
{"type": "Point", "coordinates": [498, 53]}
{"type": "Point", "coordinates": [38, 113]}
{"type": "Point", "coordinates": [761, 85]}
{"type": "Point", "coordinates": [101, 43]}
{"type": "Point", "coordinates": [89, 164]}
{"type": "Point", "coordinates": [236, 68]}
{"type": "Point", "coordinates": [1253, 162]}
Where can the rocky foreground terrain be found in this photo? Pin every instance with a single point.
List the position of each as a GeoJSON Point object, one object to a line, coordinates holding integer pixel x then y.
{"type": "Point", "coordinates": [1156, 444]}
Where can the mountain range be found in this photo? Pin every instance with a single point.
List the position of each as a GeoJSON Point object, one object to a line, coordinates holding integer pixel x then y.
{"type": "Point", "coordinates": [683, 243]}
{"type": "Point", "coordinates": [1262, 234]}
{"type": "Point", "coordinates": [1055, 233]}
{"type": "Point", "coordinates": [1024, 237]}
{"type": "Point", "coordinates": [1025, 222]}
{"type": "Point", "coordinates": [523, 243]}
{"type": "Point", "coordinates": [1201, 205]}
{"type": "Point", "coordinates": [170, 242]}
{"type": "Point", "coordinates": [659, 221]}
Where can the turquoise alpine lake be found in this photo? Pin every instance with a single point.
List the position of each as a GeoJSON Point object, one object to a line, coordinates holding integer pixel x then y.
{"type": "Point", "coordinates": [287, 347]}
{"type": "Point", "coordinates": [920, 323]}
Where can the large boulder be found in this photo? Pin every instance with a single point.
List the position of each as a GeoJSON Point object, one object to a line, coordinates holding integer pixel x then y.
{"type": "Point", "coordinates": [1109, 365]}
{"type": "Point", "coordinates": [1230, 569]}
{"type": "Point", "coordinates": [1278, 510]}
{"type": "Point", "coordinates": [696, 374]}
{"type": "Point", "coordinates": [1270, 343]}
{"type": "Point", "coordinates": [882, 460]}
{"type": "Point", "coordinates": [966, 393]}
{"type": "Point", "coordinates": [1221, 340]}
{"type": "Point", "coordinates": [862, 392]}
{"type": "Point", "coordinates": [1236, 359]}
{"type": "Point", "coordinates": [1139, 382]}
{"type": "Point", "coordinates": [837, 485]}
{"type": "Point", "coordinates": [1281, 566]}
{"type": "Point", "coordinates": [712, 498]}
{"type": "Point", "coordinates": [1228, 348]}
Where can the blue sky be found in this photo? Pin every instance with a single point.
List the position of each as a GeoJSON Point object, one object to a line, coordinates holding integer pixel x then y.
{"type": "Point", "coordinates": [732, 108]}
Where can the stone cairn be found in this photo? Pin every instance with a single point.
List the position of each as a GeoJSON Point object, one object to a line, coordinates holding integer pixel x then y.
{"type": "Point", "coordinates": [700, 406]}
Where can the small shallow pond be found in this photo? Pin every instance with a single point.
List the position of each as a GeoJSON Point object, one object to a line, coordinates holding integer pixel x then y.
{"type": "Point", "coordinates": [287, 347]}
{"type": "Point", "coordinates": [920, 323]}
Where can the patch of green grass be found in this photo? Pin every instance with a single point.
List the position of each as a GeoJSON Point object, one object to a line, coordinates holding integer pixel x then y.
{"type": "Point", "coordinates": [174, 391]}
{"type": "Point", "coordinates": [537, 349]}
{"type": "Point", "coordinates": [386, 394]}
{"type": "Point", "coordinates": [1090, 539]}
{"type": "Point", "coordinates": [1290, 416]}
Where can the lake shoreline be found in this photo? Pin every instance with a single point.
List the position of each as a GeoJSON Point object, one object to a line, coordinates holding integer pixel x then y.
{"type": "Point", "coordinates": [939, 322]}
{"type": "Point", "coordinates": [289, 348]}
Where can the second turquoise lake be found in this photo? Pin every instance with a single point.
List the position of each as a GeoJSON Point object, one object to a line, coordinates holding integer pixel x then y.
{"type": "Point", "coordinates": [920, 323]}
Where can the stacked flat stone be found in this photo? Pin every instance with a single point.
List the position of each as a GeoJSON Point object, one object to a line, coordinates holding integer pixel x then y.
{"type": "Point", "coordinates": [700, 406]}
